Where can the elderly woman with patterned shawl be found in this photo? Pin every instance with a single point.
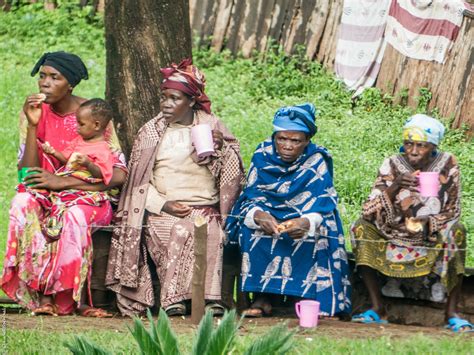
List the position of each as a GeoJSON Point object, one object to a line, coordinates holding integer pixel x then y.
{"type": "Point", "coordinates": [414, 242]}
{"type": "Point", "coordinates": [168, 187]}
{"type": "Point", "coordinates": [286, 220]}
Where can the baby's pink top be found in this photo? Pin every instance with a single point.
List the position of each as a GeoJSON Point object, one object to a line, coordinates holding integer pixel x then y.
{"type": "Point", "coordinates": [98, 152]}
{"type": "Point", "coordinates": [58, 130]}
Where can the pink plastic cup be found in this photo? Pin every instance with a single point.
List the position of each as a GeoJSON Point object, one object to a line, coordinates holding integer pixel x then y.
{"type": "Point", "coordinates": [201, 135]}
{"type": "Point", "coordinates": [429, 183]}
{"type": "Point", "coordinates": [308, 313]}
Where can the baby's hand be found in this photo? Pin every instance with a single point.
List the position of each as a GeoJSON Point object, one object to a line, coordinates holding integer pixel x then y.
{"type": "Point", "coordinates": [48, 149]}
{"type": "Point", "coordinates": [83, 160]}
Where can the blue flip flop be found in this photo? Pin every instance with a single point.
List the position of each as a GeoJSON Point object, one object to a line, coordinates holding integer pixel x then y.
{"type": "Point", "coordinates": [368, 317]}
{"type": "Point", "coordinates": [457, 324]}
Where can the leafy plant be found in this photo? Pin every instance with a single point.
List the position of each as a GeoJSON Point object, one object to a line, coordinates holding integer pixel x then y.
{"type": "Point", "coordinates": [277, 341]}
{"type": "Point", "coordinates": [80, 345]}
{"type": "Point", "coordinates": [423, 99]}
{"type": "Point", "coordinates": [160, 338]}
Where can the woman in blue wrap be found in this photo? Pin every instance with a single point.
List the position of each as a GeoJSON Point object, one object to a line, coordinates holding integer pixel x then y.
{"type": "Point", "coordinates": [286, 220]}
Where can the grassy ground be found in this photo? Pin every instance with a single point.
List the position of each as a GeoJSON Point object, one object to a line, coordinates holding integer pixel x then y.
{"type": "Point", "coordinates": [245, 94]}
{"type": "Point", "coordinates": [33, 342]}
{"type": "Point", "coordinates": [25, 334]}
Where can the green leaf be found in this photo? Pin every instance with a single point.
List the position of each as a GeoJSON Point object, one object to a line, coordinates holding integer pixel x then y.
{"type": "Point", "coordinates": [278, 340]}
{"type": "Point", "coordinates": [153, 330]}
{"type": "Point", "coordinates": [223, 336]}
{"type": "Point", "coordinates": [144, 339]}
{"type": "Point", "coordinates": [82, 346]}
{"type": "Point", "coordinates": [165, 335]}
{"type": "Point", "coordinates": [203, 335]}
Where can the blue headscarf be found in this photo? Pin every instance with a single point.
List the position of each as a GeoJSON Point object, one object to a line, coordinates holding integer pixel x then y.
{"type": "Point", "coordinates": [300, 118]}
{"type": "Point", "coordinates": [423, 128]}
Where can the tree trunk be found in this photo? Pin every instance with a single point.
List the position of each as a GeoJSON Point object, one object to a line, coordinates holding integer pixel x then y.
{"type": "Point", "coordinates": [140, 38]}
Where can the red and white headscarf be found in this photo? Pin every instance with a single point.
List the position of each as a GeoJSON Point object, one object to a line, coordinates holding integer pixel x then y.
{"type": "Point", "coordinates": [189, 79]}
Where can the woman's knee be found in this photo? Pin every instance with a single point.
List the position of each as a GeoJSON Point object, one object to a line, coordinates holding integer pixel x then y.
{"type": "Point", "coordinates": [24, 201]}
{"type": "Point", "coordinates": [74, 215]}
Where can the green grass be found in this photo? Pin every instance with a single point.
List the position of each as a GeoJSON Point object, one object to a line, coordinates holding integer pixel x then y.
{"type": "Point", "coordinates": [121, 342]}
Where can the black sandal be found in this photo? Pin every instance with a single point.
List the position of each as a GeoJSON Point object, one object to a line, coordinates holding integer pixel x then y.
{"type": "Point", "coordinates": [216, 309]}
{"type": "Point", "coordinates": [177, 309]}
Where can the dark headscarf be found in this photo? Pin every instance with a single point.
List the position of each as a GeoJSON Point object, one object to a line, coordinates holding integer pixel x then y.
{"type": "Point", "coordinates": [296, 118]}
{"type": "Point", "coordinates": [187, 78]}
{"type": "Point", "coordinates": [69, 65]}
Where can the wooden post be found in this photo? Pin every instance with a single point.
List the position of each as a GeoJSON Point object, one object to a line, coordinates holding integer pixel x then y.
{"type": "Point", "coordinates": [50, 5]}
{"type": "Point", "coordinates": [200, 267]}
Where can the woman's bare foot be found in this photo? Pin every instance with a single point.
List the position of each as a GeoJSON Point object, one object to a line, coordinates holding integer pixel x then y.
{"type": "Point", "coordinates": [47, 309]}
{"type": "Point", "coordinates": [260, 307]}
{"type": "Point", "coordinates": [87, 311]}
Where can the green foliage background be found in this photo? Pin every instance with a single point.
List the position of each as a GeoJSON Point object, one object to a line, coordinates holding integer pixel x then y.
{"type": "Point", "coordinates": [245, 94]}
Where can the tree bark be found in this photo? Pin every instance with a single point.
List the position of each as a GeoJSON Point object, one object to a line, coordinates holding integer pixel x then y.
{"type": "Point", "coordinates": [140, 38]}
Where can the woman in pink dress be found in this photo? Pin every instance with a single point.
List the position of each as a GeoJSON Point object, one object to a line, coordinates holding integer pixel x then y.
{"type": "Point", "coordinates": [53, 278]}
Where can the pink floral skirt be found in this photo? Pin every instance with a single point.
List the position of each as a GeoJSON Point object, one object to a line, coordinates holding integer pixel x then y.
{"type": "Point", "coordinates": [60, 269]}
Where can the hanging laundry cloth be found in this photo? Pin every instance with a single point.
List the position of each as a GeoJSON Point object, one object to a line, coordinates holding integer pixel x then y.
{"type": "Point", "coordinates": [424, 29]}
{"type": "Point", "coordinates": [360, 45]}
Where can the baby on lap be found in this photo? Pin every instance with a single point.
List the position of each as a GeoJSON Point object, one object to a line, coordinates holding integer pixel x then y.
{"type": "Point", "coordinates": [87, 158]}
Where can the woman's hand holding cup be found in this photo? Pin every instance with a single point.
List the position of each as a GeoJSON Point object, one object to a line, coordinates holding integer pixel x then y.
{"type": "Point", "coordinates": [43, 179]}
{"type": "Point", "coordinates": [403, 181]}
{"type": "Point", "coordinates": [218, 138]}
{"type": "Point", "coordinates": [204, 140]}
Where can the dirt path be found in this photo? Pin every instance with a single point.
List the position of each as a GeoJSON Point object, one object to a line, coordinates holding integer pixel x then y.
{"type": "Point", "coordinates": [330, 328]}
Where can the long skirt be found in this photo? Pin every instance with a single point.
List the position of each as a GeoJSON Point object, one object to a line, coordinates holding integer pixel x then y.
{"type": "Point", "coordinates": [33, 266]}
{"type": "Point", "coordinates": [311, 267]}
{"type": "Point", "coordinates": [420, 272]}
{"type": "Point", "coordinates": [170, 243]}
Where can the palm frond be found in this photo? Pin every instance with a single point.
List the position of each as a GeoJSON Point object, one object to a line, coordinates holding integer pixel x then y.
{"type": "Point", "coordinates": [153, 331]}
{"type": "Point", "coordinates": [166, 336]}
{"type": "Point", "coordinates": [223, 336]}
{"type": "Point", "coordinates": [203, 335]}
{"type": "Point", "coordinates": [278, 340]}
{"type": "Point", "coordinates": [82, 346]}
{"type": "Point", "coordinates": [145, 341]}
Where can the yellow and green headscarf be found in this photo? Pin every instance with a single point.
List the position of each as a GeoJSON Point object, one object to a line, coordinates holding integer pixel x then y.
{"type": "Point", "coordinates": [423, 128]}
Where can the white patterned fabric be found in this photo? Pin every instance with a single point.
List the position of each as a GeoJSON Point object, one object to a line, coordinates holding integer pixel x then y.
{"type": "Point", "coordinates": [423, 29]}
{"type": "Point", "coordinates": [360, 45]}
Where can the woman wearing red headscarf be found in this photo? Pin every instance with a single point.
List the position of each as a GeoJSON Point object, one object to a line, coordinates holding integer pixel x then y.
{"type": "Point", "coordinates": [168, 187]}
